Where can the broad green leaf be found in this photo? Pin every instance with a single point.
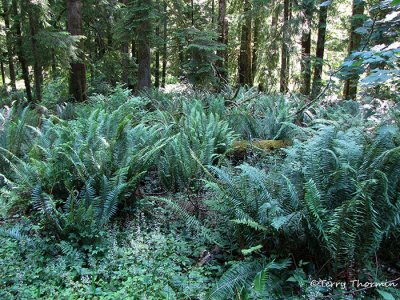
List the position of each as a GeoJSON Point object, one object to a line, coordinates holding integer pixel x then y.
{"type": "Point", "coordinates": [385, 295]}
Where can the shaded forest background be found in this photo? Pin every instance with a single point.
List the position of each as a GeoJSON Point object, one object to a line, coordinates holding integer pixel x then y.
{"type": "Point", "coordinates": [190, 149]}
{"type": "Point", "coordinates": [295, 46]}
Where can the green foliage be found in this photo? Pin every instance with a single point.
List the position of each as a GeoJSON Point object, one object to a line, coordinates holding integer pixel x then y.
{"type": "Point", "coordinates": [202, 139]}
{"type": "Point", "coordinates": [332, 198]}
{"type": "Point", "coordinates": [351, 191]}
{"type": "Point", "coordinates": [15, 134]}
{"type": "Point", "coordinates": [379, 56]}
{"type": "Point", "coordinates": [201, 68]}
{"type": "Point", "coordinates": [83, 216]}
{"type": "Point", "coordinates": [139, 261]}
{"type": "Point", "coordinates": [54, 92]}
{"type": "Point", "coordinates": [243, 275]}
{"type": "Point", "coordinates": [255, 115]}
{"type": "Point", "coordinates": [251, 213]}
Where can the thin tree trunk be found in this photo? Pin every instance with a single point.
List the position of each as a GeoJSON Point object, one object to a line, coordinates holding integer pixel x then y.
{"type": "Point", "coordinates": [181, 56]}
{"type": "Point", "coordinates": [37, 69]}
{"type": "Point", "coordinates": [245, 76]}
{"type": "Point", "coordinates": [164, 62]}
{"type": "Point", "coordinates": [144, 57]}
{"type": "Point", "coordinates": [284, 49]}
{"type": "Point", "coordinates": [192, 11]}
{"type": "Point", "coordinates": [212, 12]}
{"type": "Point", "coordinates": [223, 39]}
{"type": "Point", "coordinates": [306, 48]}
{"type": "Point", "coordinates": [157, 66]}
{"type": "Point", "coordinates": [125, 64]}
{"type": "Point", "coordinates": [157, 70]}
{"type": "Point", "coordinates": [267, 79]}
{"type": "Point", "coordinates": [20, 53]}
{"type": "Point", "coordinates": [53, 64]}
{"type": "Point", "coordinates": [11, 69]}
{"type": "Point", "coordinates": [255, 48]}
{"type": "Point", "coordinates": [3, 74]}
{"type": "Point", "coordinates": [125, 58]}
{"type": "Point", "coordinates": [350, 85]}
{"type": "Point", "coordinates": [77, 82]}
{"type": "Point", "coordinates": [133, 50]}
{"type": "Point", "coordinates": [319, 54]}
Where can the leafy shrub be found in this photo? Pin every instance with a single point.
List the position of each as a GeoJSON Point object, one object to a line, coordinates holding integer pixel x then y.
{"type": "Point", "coordinates": [246, 203]}
{"type": "Point", "coordinates": [351, 190]}
{"type": "Point", "coordinates": [54, 92]}
{"type": "Point", "coordinates": [202, 138]}
{"type": "Point", "coordinates": [15, 134]}
{"type": "Point", "coordinates": [340, 195]}
{"type": "Point", "coordinates": [259, 116]}
{"type": "Point", "coordinates": [82, 218]}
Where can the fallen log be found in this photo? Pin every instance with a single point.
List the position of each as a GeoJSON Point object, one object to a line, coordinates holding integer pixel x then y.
{"type": "Point", "coordinates": [240, 148]}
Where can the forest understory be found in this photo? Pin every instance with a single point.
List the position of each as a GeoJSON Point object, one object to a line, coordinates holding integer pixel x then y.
{"type": "Point", "coordinates": [200, 149]}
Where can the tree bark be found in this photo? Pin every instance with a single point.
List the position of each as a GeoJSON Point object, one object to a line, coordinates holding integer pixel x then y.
{"type": "Point", "coordinates": [212, 12]}
{"type": "Point", "coordinates": [284, 49]}
{"type": "Point", "coordinates": [350, 85]}
{"type": "Point", "coordinates": [223, 39]}
{"type": "Point", "coordinates": [125, 59]}
{"type": "Point", "coordinates": [20, 52]}
{"type": "Point", "coordinates": [37, 68]}
{"type": "Point", "coordinates": [165, 38]}
{"type": "Point", "coordinates": [77, 80]}
{"type": "Point", "coordinates": [306, 48]}
{"type": "Point", "coordinates": [11, 68]}
{"type": "Point", "coordinates": [319, 54]}
{"type": "Point", "coordinates": [192, 11]}
{"type": "Point", "coordinates": [269, 78]}
{"type": "Point", "coordinates": [144, 57]}
{"type": "Point", "coordinates": [157, 66]}
{"type": "Point", "coordinates": [245, 62]}
{"type": "Point", "coordinates": [3, 74]}
{"type": "Point", "coordinates": [255, 48]}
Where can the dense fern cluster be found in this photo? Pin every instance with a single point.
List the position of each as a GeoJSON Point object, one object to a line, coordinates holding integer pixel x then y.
{"type": "Point", "coordinates": [336, 194]}
{"type": "Point", "coordinates": [328, 201]}
{"type": "Point", "coordinates": [201, 139]}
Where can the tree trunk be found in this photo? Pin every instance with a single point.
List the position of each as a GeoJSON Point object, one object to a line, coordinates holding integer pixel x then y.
{"type": "Point", "coordinates": [165, 38]}
{"type": "Point", "coordinates": [319, 54]}
{"type": "Point", "coordinates": [3, 74]}
{"type": "Point", "coordinates": [125, 59]}
{"type": "Point", "coordinates": [11, 69]}
{"type": "Point", "coordinates": [20, 52]}
{"type": "Point", "coordinates": [37, 69]}
{"type": "Point", "coordinates": [125, 64]}
{"type": "Point", "coordinates": [212, 12]}
{"type": "Point", "coordinates": [144, 57]}
{"type": "Point", "coordinates": [284, 49]}
{"type": "Point", "coordinates": [223, 39]}
{"type": "Point", "coordinates": [245, 76]}
{"type": "Point", "coordinates": [157, 67]}
{"type": "Point", "coordinates": [255, 48]}
{"type": "Point", "coordinates": [350, 85]}
{"type": "Point", "coordinates": [134, 50]}
{"type": "Point", "coordinates": [306, 47]}
{"type": "Point", "coordinates": [77, 80]}
{"type": "Point", "coordinates": [53, 64]}
{"type": "Point", "coordinates": [269, 79]}
{"type": "Point", "coordinates": [192, 11]}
